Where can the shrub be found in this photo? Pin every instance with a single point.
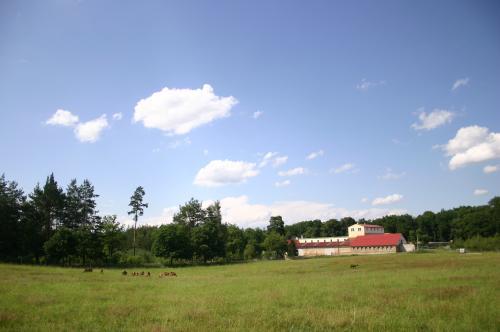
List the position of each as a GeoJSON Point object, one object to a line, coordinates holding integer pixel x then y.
{"type": "Point", "coordinates": [479, 243]}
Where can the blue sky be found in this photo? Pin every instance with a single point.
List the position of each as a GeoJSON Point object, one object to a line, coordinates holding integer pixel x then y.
{"type": "Point", "coordinates": [399, 100]}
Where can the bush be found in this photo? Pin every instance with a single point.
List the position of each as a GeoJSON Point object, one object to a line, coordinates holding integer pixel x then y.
{"type": "Point", "coordinates": [142, 258]}
{"type": "Point", "coordinates": [479, 243]}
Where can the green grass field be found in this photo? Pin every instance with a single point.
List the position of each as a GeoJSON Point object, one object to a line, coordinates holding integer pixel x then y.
{"type": "Point", "coordinates": [403, 292]}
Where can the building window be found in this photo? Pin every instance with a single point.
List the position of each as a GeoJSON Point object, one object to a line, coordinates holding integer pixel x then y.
{"type": "Point", "coordinates": [352, 229]}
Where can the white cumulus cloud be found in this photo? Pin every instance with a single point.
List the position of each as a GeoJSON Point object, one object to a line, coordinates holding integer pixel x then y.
{"type": "Point", "coordinates": [315, 154]}
{"type": "Point", "coordinates": [479, 192]}
{"type": "Point", "coordinates": [62, 118]}
{"type": "Point", "coordinates": [472, 144]}
{"type": "Point", "coordinates": [434, 119]}
{"type": "Point", "coordinates": [117, 116]}
{"type": "Point", "coordinates": [178, 111]}
{"type": "Point", "coordinates": [222, 172]}
{"type": "Point", "coordinates": [460, 82]}
{"type": "Point", "coordinates": [394, 198]}
{"type": "Point", "coordinates": [293, 171]}
{"type": "Point", "coordinates": [490, 169]}
{"type": "Point", "coordinates": [90, 131]}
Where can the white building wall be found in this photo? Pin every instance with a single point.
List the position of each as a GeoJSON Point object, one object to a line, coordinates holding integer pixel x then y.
{"type": "Point", "coordinates": [323, 239]}
{"type": "Point", "coordinates": [359, 230]}
{"type": "Point", "coordinates": [324, 251]}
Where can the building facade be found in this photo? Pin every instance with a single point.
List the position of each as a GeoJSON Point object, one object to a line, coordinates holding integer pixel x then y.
{"type": "Point", "coordinates": [363, 239]}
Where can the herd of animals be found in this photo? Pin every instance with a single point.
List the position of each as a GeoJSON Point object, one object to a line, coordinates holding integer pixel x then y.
{"type": "Point", "coordinates": [139, 274]}
{"type": "Point", "coordinates": [148, 274]}
{"type": "Point", "coordinates": [167, 274]}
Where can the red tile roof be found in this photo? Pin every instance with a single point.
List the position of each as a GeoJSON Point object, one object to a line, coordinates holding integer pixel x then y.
{"type": "Point", "coordinates": [387, 239]}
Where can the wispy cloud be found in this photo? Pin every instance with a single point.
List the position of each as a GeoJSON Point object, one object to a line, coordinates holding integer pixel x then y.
{"type": "Point", "coordinates": [490, 169]}
{"type": "Point", "coordinates": [293, 171]}
{"type": "Point", "coordinates": [315, 154]}
{"type": "Point", "coordinates": [479, 192]}
{"type": "Point", "coordinates": [394, 198]}
{"type": "Point", "coordinates": [460, 82]}
{"type": "Point", "coordinates": [390, 175]}
{"type": "Point", "coordinates": [348, 167]}
{"type": "Point", "coordinates": [274, 159]}
{"type": "Point", "coordinates": [179, 142]}
{"type": "Point", "coordinates": [257, 114]}
{"type": "Point", "coordinates": [435, 119]}
{"type": "Point", "coordinates": [365, 84]}
{"type": "Point", "coordinates": [283, 183]}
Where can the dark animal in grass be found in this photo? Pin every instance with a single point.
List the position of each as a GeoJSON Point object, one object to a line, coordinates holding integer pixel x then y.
{"type": "Point", "coordinates": [88, 269]}
{"type": "Point", "coordinates": [142, 273]}
{"type": "Point", "coordinates": [354, 266]}
{"type": "Point", "coordinates": [149, 274]}
{"type": "Point", "coordinates": [102, 271]}
{"type": "Point", "coordinates": [124, 273]}
{"type": "Point", "coordinates": [168, 274]}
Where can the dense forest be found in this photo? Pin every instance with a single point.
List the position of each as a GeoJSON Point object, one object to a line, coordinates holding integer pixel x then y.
{"type": "Point", "coordinates": [55, 226]}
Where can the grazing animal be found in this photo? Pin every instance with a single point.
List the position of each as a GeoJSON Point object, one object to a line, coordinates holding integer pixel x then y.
{"type": "Point", "coordinates": [142, 273]}
{"type": "Point", "coordinates": [102, 271]}
{"type": "Point", "coordinates": [124, 273]}
{"type": "Point", "coordinates": [88, 269]}
{"type": "Point", "coordinates": [149, 274]}
{"type": "Point", "coordinates": [354, 266]}
{"type": "Point", "coordinates": [168, 274]}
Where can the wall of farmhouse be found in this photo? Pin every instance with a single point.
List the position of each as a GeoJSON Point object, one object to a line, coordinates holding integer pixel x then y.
{"type": "Point", "coordinates": [324, 251]}
{"type": "Point", "coordinates": [323, 239]}
{"type": "Point", "coordinates": [374, 250]}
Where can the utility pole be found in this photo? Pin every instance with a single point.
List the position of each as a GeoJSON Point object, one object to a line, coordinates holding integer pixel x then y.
{"type": "Point", "coordinates": [417, 241]}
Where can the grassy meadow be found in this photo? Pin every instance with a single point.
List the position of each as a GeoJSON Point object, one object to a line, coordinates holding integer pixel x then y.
{"type": "Point", "coordinates": [403, 292]}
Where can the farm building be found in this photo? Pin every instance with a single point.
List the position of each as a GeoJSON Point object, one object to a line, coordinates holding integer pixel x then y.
{"type": "Point", "coordinates": [362, 239]}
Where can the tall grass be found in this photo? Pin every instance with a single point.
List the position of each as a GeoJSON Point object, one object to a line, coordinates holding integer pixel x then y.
{"type": "Point", "coordinates": [403, 292]}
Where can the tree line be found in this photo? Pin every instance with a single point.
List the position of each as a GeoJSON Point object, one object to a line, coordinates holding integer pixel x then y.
{"type": "Point", "coordinates": [55, 226]}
